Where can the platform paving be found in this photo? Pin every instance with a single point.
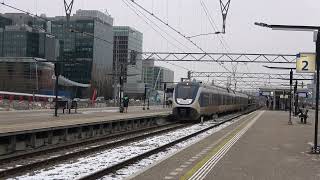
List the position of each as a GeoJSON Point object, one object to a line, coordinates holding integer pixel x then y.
{"type": "Point", "coordinates": [30, 120]}
{"type": "Point", "coordinates": [265, 147]}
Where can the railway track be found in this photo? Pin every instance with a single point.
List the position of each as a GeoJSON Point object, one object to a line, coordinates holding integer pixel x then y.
{"type": "Point", "coordinates": [105, 171]}
{"type": "Point", "coordinates": [36, 160]}
{"type": "Point", "coordinates": [86, 155]}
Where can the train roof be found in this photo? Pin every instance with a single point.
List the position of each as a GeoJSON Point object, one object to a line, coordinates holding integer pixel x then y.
{"type": "Point", "coordinates": [214, 87]}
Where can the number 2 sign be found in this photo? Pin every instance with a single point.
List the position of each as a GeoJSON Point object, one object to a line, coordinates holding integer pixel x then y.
{"type": "Point", "coordinates": [306, 63]}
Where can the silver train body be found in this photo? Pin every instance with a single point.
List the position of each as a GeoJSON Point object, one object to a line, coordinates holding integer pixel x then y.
{"type": "Point", "coordinates": [191, 100]}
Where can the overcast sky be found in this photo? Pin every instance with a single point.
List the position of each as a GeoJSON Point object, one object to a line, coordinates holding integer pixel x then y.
{"type": "Point", "coordinates": [188, 16]}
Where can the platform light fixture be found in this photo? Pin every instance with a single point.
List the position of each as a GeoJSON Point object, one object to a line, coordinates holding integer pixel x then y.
{"type": "Point", "coordinates": [315, 149]}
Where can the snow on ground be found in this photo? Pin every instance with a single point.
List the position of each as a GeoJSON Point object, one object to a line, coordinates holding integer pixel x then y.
{"type": "Point", "coordinates": [145, 163]}
{"type": "Point", "coordinates": [99, 111]}
{"type": "Point", "coordinates": [86, 165]}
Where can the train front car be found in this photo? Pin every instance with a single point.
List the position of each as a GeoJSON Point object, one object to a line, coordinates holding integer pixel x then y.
{"type": "Point", "coordinates": [185, 105]}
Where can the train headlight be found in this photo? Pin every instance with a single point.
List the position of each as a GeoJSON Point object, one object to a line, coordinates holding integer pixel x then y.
{"type": "Point", "coordinates": [184, 101]}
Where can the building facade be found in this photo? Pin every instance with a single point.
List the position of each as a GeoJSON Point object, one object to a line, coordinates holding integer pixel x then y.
{"type": "Point", "coordinates": [25, 75]}
{"type": "Point", "coordinates": [126, 61]}
{"type": "Point", "coordinates": [86, 49]}
{"type": "Point", "coordinates": [156, 76]}
{"type": "Point", "coordinates": [20, 38]}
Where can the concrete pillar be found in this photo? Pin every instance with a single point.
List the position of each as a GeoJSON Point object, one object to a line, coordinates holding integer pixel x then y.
{"type": "Point", "coordinates": [101, 130]}
{"type": "Point", "coordinates": [79, 133]}
{"type": "Point", "coordinates": [65, 135]}
{"type": "Point", "coordinates": [12, 144]}
{"type": "Point", "coordinates": [33, 140]}
{"type": "Point", "coordinates": [90, 131]}
{"type": "Point", "coordinates": [50, 137]}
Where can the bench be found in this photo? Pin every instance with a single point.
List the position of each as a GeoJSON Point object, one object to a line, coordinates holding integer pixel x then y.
{"type": "Point", "coordinates": [303, 116]}
{"type": "Point", "coordinates": [62, 104]}
{"type": "Point", "coordinates": [72, 105]}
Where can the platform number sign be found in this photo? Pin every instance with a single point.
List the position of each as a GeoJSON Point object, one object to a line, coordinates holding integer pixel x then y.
{"type": "Point", "coordinates": [306, 63]}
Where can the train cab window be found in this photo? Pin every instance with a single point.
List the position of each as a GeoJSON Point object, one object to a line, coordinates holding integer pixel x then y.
{"type": "Point", "coordinates": [186, 91]}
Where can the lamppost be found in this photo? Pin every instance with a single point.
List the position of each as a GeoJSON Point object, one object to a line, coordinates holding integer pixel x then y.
{"type": "Point", "coordinates": [144, 97]}
{"type": "Point", "coordinates": [164, 94]}
{"type": "Point", "coordinates": [56, 73]}
{"type": "Point", "coordinates": [315, 29]}
{"type": "Point", "coordinates": [290, 94]}
{"type": "Point", "coordinates": [206, 34]}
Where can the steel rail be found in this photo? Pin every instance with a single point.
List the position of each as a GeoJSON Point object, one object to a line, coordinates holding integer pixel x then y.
{"type": "Point", "coordinates": [89, 150]}
{"type": "Point", "coordinates": [110, 169]}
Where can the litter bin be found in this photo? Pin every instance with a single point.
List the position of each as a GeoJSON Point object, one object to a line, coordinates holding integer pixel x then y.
{"type": "Point", "coordinates": [121, 109]}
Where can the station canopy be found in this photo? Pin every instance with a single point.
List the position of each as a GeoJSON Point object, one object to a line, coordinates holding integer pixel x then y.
{"type": "Point", "coordinates": [67, 82]}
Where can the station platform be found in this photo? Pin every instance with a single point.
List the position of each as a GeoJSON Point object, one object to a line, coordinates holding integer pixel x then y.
{"type": "Point", "coordinates": [260, 146]}
{"type": "Point", "coordinates": [18, 121]}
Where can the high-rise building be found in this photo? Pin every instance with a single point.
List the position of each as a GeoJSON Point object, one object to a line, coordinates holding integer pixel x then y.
{"type": "Point", "coordinates": [156, 76]}
{"type": "Point", "coordinates": [20, 38]}
{"type": "Point", "coordinates": [127, 42]}
{"type": "Point", "coordinates": [22, 45]}
{"type": "Point", "coordinates": [87, 43]}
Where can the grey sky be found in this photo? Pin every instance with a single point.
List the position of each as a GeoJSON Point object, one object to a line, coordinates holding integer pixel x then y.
{"type": "Point", "coordinates": [189, 17]}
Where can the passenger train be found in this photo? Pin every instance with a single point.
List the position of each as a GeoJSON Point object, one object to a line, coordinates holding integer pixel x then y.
{"type": "Point", "coordinates": [191, 100]}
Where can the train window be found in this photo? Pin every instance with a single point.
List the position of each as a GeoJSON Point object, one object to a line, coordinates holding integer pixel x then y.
{"type": "Point", "coordinates": [223, 100]}
{"type": "Point", "coordinates": [228, 100]}
{"type": "Point", "coordinates": [204, 100]}
{"type": "Point", "coordinates": [216, 99]}
{"type": "Point", "coordinates": [186, 92]}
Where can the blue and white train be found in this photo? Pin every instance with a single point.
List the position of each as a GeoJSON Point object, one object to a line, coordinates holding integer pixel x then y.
{"type": "Point", "coordinates": [191, 100]}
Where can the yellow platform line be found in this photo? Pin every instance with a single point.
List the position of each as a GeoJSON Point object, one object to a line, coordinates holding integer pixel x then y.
{"type": "Point", "coordinates": [217, 148]}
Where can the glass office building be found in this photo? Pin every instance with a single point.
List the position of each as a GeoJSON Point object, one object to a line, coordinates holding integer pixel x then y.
{"type": "Point", "coordinates": [128, 41]}
{"type": "Point", "coordinates": [19, 37]}
{"type": "Point", "coordinates": [154, 76]}
{"type": "Point", "coordinates": [86, 49]}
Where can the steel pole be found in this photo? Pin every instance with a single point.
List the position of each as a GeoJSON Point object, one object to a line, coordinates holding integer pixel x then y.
{"type": "Point", "coordinates": [296, 99]}
{"type": "Point", "coordinates": [148, 94]}
{"type": "Point", "coordinates": [290, 98]}
{"type": "Point", "coordinates": [144, 97]}
{"type": "Point", "coordinates": [315, 148]}
{"type": "Point", "coordinates": [56, 71]}
{"type": "Point", "coordinates": [164, 95]}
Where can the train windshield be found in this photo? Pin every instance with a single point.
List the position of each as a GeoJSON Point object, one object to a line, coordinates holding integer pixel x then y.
{"type": "Point", "coordinates": [186, 91]}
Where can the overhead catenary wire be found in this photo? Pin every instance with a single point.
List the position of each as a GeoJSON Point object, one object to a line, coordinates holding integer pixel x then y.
{"type": "Point", "coordinates": [167, 24]}
{"type": "Point", "coordinates": [220, 37]}
{"type": "Point", "coordinates": [136, 11]}
{"type": "Point", "coordinates": [174, 29]}
{"type": "Point", "coordinates": [71, 30]}
{"type": "Point", "coordinates": [212, 23]}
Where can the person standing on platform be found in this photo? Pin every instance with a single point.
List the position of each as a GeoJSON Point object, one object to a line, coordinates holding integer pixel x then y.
{"type": "Point", "coordinates": [126, 103]}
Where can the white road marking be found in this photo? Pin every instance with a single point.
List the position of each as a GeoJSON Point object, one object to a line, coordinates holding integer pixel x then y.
{"type": "Point", "coordinates": [179, 169]}
{"type": "Point", "coordinates": [168, 177]}
{"type": "Point", "coordinates": [173, 173]}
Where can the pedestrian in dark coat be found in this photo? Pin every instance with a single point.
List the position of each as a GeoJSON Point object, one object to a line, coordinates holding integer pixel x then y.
{"type": "Point", "coordinates": [126, 103]}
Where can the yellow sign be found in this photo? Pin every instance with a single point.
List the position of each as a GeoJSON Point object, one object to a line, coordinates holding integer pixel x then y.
{"type": "Point", "coordinates": [306, 63]}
